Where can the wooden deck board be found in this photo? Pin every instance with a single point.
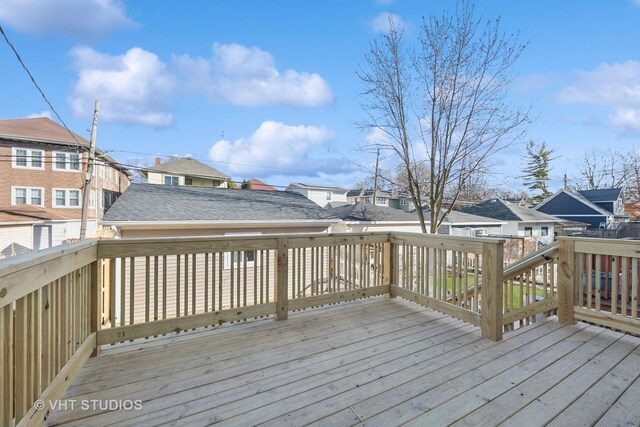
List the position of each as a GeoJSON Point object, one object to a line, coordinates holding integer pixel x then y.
{"type": "Point", "coordinates": [374, 362]}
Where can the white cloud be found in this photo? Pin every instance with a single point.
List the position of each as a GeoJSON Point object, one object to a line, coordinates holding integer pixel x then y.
{"type": "Point", "coordinates": [132, 88]}
{"type": "Point", "coordinates": [616, 86]}
{"type": "Point", "coordinates": [247, 76]}
{"type": "Point", "coordinates": [45, 113]}
{"type": "Point", "coordinates": [380, 23]}
{"type": "Point", "coordinates": [274, 145]}
{"type": "Point", "coordinates": [93, 18]}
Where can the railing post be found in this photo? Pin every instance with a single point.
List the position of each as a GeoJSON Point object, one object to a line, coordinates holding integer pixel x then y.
{"type": "Point", "coordinates": [566, 281]}
{"type": "Point", "coordinates": [388, 267]}
{"type": "Point", "coordinates": [492, 267]}
{"type": "Point", "coordinates": [95, 319]}
{"type": "Point", "coordinates": [282, 278]}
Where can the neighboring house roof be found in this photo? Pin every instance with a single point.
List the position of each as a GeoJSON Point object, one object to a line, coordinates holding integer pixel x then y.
{"type": "Point", "coordinates": [457, 217]}
{"type": "Point", "coordinates": [45, 130]}
{"type": "Point", "coordinates": [148, 202]}
{"type": "Point", "coordinates": [256, 184]}
{"type": "Point", "coordinates": [601, 195]}
{"type": "Point", "coordinates": [569, 202]}
{"type": "Point", "coordinates": [500, 209]}
{"type": "Point", "coordinates": [188, 166]}
{"type": "Point", "coordinates": [367, 212]}
{"type": "Point", "coordinates": [29, 213]}
{"type": "Point", "coordinates": [298, 185]}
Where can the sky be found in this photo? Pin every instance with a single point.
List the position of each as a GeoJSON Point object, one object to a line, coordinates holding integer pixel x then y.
{"type": "Point", "coordinates": [269, 90]}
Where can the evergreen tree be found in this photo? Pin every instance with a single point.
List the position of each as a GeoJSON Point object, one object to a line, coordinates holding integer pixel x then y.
{"type": "Point", "coordinates": [246, 184]}
{"type": "Point", "coordinates": [536, 173]}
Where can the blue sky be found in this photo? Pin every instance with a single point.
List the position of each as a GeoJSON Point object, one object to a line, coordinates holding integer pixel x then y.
{"type": "Point", "coordinates": [268, 89]}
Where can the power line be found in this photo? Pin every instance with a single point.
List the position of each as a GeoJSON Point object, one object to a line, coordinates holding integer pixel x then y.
{"type": "Point", "coordinates": [33, 80]}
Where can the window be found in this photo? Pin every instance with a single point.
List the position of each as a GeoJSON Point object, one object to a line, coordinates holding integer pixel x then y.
{"type": "Point", "coordinates": [241, 258]}
{"type": "Point", "coordinates": [481, 232]}
{"type": "Point", "coordinates": [171, 180]}
{"type": "Point", "coordinates": [381, 200]}
{"type": "Point", "coordinates": [528, 231]}
{"type": "Point", "coordinates": [328, 195]}
{"type": "Point", "coordinates": [69, 162]}
{"type": "Point", "coordinates": [66, 198]}
{"type": "Point", "coordinates": [27, 159]}
{"type": "Point", "coordinates": [403, 202]}
{"type": "Point", "coordinates": [188, 181]}
{"type": "Point", "coordinates": [27, 196]}
{"type": "Point", "coordinates": [544, 231]}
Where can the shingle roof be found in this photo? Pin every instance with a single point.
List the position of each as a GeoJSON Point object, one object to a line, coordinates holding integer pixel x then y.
{"type": "Point", "coordinates": [316, 187]}
{"type": "Point", "coordinates": [499, 209]}
{"type": "Point", "coordinates": [367, 212]}
{"type": "Point", "coordinates": [41, 129]}
{"type": "Point", "coordinates": [601, 195]}
{"type": "Point", "coordinates": [188, 166]}
{"type": "Point", "coordinates": [462, 217]}
{"type": "Point", "coordinates": [149, 202]}
{"type": "Point", "coordinates": [45, 130]}
{"type": "Point", "coordinates": [256, 184]}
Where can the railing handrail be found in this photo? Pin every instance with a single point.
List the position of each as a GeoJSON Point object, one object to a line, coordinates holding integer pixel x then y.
{"type": "Point", "coordinates": [29, 272]}
{"type": "Point", "coordinates": [532, 260]}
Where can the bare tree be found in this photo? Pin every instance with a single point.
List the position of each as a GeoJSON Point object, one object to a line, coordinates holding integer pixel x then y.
{"type": "Point", "coordinates": [460, 76]}
{"type": "Point", "coordinates": [604, 170]}
{"type": "Point", "coordinates": [388, 78]}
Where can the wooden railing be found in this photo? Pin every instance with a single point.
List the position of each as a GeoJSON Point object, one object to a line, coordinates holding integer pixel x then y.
{"type": "Point", "coordinates": [444, 273]}
{"type": "Point", "coordinates": [57, 307]}
{"type": "Point", "coordinates": [599, 280]}
{"type": "Point", "coordinates": [530, 288]}
{"type": "Point", "coordinates": [48, 323]}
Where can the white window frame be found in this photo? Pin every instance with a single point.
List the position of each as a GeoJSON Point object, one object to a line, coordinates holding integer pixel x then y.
{"type": "Point", "coordinates": [240, 262]}
{"type": "Point", "coordinates": [403, 202]}
{"type": "Point", "coordinates": [528, 229]}
{"type": "Point", "coordinates": [67, 198]}
{"type": "Point", "coordinates": [67, 161]}
{"type": "Point", "coordinates": [164, 179]}
{"type": "Point", "coordinates": [381, 200]}
{"type": "Point", "coordinates": [27, 197]}
{"type": "Point", "coordinates": [544, 230]}
{"type": "Point", "coordinates": [29, 165]}
{"type": "Point", "coordinates": [328, 195]}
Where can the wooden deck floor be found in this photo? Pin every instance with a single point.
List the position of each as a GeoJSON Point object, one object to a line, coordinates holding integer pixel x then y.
{"type": "Point", "coordinates": [371, 362]}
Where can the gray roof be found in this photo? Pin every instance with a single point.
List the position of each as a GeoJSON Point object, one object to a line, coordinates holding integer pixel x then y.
{"type": "Point", "coordinates": [601, 195]}
{"type": "Point", "coordinates": [366, 212]}
{"type": "Point", "coordinates": [149, 202]}
{"type": "Point", "coordinates": [566, 201]}
{"type": "Point", "coordinates": [188, 166]}
{"type": "Point", "coordinates": [500, 209]}
{"type": "Point", "coordinates": [316, 187]}
{"type": "Point", "coordinates": [462, 217]}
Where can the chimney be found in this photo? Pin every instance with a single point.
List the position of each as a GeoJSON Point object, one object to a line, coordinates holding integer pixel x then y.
{"type": "Point", "coordinates": [158, 161]}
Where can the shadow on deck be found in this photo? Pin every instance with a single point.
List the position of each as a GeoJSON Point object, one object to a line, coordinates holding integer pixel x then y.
{"type": "Point", "coordinates": [374, 361]}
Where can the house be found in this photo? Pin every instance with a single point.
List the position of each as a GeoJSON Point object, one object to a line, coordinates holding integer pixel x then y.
{"type": "Point", "coordinates": [41, 183]}
{"type": "Point", "coordinates": [458, 223]}
{"type": "Point", "coordinates": [185, 171]}
{"type": "Point", "coordinates": [361, 217]}
{"type": "Point", "coordinates": [256, 184]}
{"type": "Point", "coordinates": [600, 209]}
{"type": "Point", "coordinates": [146, 210]}
{"type": "Point", "coordinates": [319, 194]}
{"type": "Point", "coordinates": [391, 199]}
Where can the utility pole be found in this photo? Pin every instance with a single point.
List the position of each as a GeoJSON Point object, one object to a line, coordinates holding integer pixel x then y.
{"type": "Point", "coordinates": [86, 190]}
{"type": "Point", "coordinates": [375, 178]}
{"type": "Point", "coordinates": [565, 181]}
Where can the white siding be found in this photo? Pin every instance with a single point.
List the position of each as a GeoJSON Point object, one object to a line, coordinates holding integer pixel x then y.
{"type": "Point", "coordinates": [14, 239]}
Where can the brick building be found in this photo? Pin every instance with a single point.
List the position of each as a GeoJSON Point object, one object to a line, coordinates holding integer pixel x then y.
{"type": "Point", "coordinates": [42, 171]}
